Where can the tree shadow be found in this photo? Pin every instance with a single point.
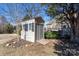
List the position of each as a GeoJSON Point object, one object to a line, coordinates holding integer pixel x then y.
{"type": "Point", "coordinates": [66, 48]}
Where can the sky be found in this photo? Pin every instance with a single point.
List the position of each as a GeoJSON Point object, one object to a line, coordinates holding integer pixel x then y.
{"type": "Point", "coordinates": [11, 12]}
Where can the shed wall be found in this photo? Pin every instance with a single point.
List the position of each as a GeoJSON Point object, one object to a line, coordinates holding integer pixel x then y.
{"type": "Point", "coordinates": [35, 35]}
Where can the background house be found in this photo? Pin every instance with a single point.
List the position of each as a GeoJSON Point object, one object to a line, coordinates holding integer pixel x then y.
{"type": "Point", "coordinates": [61, 27]}
{"type": "Point", "coordinates": [53, 26]}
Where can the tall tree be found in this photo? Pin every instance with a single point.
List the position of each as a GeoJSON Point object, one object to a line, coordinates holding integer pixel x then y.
{"type": "Point", "coordinates": [71, 13]}
{"type": "Point", "coordinates": [32, 10]}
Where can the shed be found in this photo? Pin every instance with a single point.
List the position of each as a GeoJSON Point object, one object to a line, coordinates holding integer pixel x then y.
{"type": "Point", "coordinates": [32, 30]}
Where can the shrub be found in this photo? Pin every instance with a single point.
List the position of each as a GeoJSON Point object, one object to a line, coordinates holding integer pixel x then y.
{"type": "Point", "coordinates": [48, 35]}
{"type": "Point", "coordinates": [51, 35]}
{"type": "Point", "coordinates": [9, 28]}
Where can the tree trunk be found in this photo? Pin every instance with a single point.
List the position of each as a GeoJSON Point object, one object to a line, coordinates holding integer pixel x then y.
{"type": "Point", "coordinates": [75, 30]}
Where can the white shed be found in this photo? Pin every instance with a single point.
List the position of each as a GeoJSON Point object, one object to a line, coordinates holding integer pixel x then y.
{"type": "Point", "coordinates": [32, 30]}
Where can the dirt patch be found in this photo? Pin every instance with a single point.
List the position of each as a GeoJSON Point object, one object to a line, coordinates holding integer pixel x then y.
{"type": "Point", "coordinates": [17, 43]}
{"type": "Point", "coordinates": [23, 48]}
{"type": "Point", "coordinates": [14, 47]}
{"type": "Point", "coordinates": [7, 37]}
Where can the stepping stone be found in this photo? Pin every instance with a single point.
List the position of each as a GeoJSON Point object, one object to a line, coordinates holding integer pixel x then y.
{"type": "Point", "coordinates": [43, 41]}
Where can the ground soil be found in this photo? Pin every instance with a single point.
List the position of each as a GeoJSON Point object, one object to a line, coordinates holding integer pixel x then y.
{"type": "Point", "coordinates": [23, 48]}
{"type": "Point", "coordinates": [11, 46]}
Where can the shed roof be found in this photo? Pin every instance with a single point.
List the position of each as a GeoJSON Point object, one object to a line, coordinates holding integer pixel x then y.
{"type": "Point", "coordinates": [38, 20]}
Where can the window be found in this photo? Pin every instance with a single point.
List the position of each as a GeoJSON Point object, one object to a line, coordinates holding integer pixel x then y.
{"type": "Point", "coordinates": [26, 27]}
{"type": "Point", "coordinates": [31, 26]}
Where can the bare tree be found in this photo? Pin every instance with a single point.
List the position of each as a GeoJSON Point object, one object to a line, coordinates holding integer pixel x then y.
{"type": "Point", "coordinates": [19, 11]}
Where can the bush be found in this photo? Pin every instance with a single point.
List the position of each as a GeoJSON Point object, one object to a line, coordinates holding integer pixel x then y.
{"type": "Point", "coordinates": [51, 35]}
{"type": "Point", "coordinates": [9, 28]}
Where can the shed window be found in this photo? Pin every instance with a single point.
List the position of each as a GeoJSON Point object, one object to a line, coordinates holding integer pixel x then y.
{"type": "Point", "coordinates": [31, 26]}
{"type": "Point", "coordinates": [26, 27]}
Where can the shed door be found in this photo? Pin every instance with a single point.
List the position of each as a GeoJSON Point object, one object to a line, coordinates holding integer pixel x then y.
{"type": "Point", "coordinates": [39, 32]}
{"type": "Point", "coordinates": [29, 31]}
